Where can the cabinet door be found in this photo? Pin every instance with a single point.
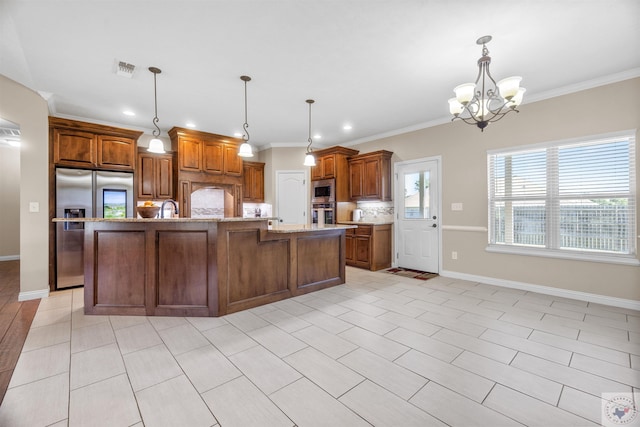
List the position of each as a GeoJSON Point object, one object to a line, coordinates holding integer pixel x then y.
{"type": "Point", "coordinates": [349, 247]}
{"type": "Point", "coordinates": [116, 152]}
{"type": "Point", "coordinates": [258, 185]}
{"type": "Point", "coordinates": [371, 179]}
{"type": "Point", "coordinates": [184, 198]}
{"type": "Point", "coordinates": [213, 157]}
{"type": "Point", "coordinates": [232, 162]}
{"type": "Point", "coordinates": [190, 154]}
{"type": "Point", "coordinates": [316, 171]}
{"type": "Point", "coordinates": [356, 174]}
{"type": "Point", "coordinates": [329, 166]}
{"type": "Point", "coordinates": [146, 175]}
{"type": "Point", "coordinates": [362, 250]}
{"type": "Point", "coordinates": [164, 177]}
{"type": "Point", "coordinates": [74, 148]}
{"type": "Point", "coordinates": [247, 182]}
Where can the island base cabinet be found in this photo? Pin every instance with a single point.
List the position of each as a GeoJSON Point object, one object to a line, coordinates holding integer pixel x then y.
{"type": "Point", "coordinates": [161, 270]}
{"type": "Point", "coordinates": [203, 268]}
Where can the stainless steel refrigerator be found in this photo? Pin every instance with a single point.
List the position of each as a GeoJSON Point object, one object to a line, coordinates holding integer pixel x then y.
{"type": "Point", "coordinates": [85, 194]}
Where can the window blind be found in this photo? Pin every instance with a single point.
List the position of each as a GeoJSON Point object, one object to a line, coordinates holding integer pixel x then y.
{"type": "Point", "coordinates": [576, 196]}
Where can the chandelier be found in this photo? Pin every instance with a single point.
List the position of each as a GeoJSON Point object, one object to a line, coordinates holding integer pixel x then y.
{"type": "Point", "coordinates": [245, 147]}
{"type": "Point", "coordinates": [485, 101]}
{"type": "Point", "coordinates": [155, 145]}
{"type": "Point", "coordinates": [309, 158]}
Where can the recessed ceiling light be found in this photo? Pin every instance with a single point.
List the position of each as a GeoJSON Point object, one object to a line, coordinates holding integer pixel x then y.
{"type": "Point", "coordinates": [191, 125]}
{"type": "Point", "coordinates": [347, 127]}
{"type": "Point", "coordinates": [316, 136]}
{"type": "Point", "coordinates": [128, 113]}
{"type": "Point", "coordinates": [238, 134]}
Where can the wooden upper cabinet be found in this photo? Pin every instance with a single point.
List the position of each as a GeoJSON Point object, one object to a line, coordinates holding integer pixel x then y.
{"type": "Point", "coordinates": [206, 152]}
{"type": "Point", "coordinates": [213, 157]}
{"type": "Point", "coordinates": [155, 176]}
{"type": "Point", "coordinates": [325, 167]}
{"type": "Point", "coordinates": [332, 163]}
{"type": "Point", "coordinates": [190, 154]}
{"type": "Point", "coordinates": [370, 176]}
{"type": "Point", "coordinates": [253, 182]}
{"type": "Point", "coordinates": [92, 146]}
{"type": "Point", "coordinates": [74, 148]}
{"type": "Point", "coordinates": [232, 162]}
{"type": "Point", "coordinates": [116, 152]}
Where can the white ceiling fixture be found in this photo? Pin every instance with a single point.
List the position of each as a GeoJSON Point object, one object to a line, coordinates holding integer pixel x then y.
{"type": "Point", "coordinates": [155, 145]}
{"type": "Point", "coordinates": [486, 101]}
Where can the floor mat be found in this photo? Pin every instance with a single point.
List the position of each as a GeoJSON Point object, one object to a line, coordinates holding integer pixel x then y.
{"type": "Point", "coordinates": [414, 274]}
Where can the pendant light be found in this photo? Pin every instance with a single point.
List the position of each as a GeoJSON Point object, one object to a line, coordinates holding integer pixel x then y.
{"type": "Point", "coordinates": [309, 158]}
{"type": "Point", "coordinates": [155, 145]}
{"type": "Point", "coordinates": [486, 101]}
{"type": "Point", "coordinates": [245, 148]}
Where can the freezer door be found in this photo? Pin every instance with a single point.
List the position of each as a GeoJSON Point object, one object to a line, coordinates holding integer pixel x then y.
{"type": "Point", "coordinates": [74, 199]}
{"type": "Point", "coordinates": [114, 194]}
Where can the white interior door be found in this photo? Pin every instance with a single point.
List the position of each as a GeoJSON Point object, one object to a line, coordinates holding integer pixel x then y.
{"type": "Point", "coordinates": [418, 215]}
{"type": "Point", "coordinates": [292, 199]}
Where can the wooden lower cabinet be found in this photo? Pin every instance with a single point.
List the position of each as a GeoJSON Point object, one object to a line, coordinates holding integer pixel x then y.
{"type": "Point", "coordinates": [369, 246]}
{"type": "Point", "coordinates": [203, 268]}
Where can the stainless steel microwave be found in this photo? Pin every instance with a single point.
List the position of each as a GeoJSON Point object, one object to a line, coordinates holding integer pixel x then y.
{"type": "Point", "coordinates": [323, 191]}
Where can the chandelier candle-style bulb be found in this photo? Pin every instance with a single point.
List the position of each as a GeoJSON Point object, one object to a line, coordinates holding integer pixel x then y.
{"type": "Point", "coordinates": [485, 101]}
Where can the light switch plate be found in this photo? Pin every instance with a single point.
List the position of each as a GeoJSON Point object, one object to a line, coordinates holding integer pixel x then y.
{"type": "Point", "coordinates": [456, 206]}
{"type": "Point", "coordinates": [34, 207]}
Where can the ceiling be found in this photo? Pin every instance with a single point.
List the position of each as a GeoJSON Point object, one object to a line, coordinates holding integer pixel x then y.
{"type": "Point", "coordinates": [383, 67]}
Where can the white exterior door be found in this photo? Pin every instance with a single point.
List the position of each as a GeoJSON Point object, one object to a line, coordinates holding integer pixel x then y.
{"type": "Point", "coordinates": [292, 198]}
{"type": "Point", "coordinates": [418, 215]}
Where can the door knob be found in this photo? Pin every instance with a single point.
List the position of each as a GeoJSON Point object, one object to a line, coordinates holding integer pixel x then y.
{"type": "Point", "coordinates": [434, 225]}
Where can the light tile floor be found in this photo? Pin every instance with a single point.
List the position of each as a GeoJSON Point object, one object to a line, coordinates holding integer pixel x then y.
{"type": "Point", "coordinates": [380, 350]}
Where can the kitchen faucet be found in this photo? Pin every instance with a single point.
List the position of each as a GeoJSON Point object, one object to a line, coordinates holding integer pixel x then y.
{"type": "Point", "coordinates": [175, 206]}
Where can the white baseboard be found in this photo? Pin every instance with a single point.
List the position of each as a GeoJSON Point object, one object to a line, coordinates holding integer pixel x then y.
{"type": "Point", "coordinates": [548, 290]}
{"type": "Point", "coordinates": [28, 295]}
{"type": "Point", "coordinates": [9, 258]}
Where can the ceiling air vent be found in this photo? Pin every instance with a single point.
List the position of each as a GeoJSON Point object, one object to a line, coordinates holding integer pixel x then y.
{"type": "Point", "coordinates": [125, 69]}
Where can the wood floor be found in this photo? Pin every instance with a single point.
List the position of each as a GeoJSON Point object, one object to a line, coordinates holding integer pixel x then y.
{"type": "Point", "coordinates": [15, 321]}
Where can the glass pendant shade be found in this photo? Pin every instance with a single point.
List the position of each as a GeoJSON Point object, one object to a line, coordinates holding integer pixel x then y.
{"type": "Point", "coordinates": [455, 107]}
{"type": "Point", "coordinates": [517, 99]}
{"type": "Point", "coordinates": [245, 150]}
{"type": "Point", "coordinates": [309, 160]}
{"type": "Point", "coordinates": [509, 87]}
{"type": "Point", "coordinates": [464, 92]}
{"type": "Point", "coordinates": [156, 146]}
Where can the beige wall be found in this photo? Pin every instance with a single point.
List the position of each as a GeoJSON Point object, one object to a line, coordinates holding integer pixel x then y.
{"type": "Point", "coordinates": [27, 109]}
{"type": "Point", "coordinates": [10, 197]}
{"type": "Point", "coordinates": [464, 148]}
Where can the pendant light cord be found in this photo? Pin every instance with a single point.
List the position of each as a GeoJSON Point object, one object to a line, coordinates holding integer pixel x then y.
{"type": "Point", "coordinates": [309, 101]}
{"type": "Point", "coordinates": [245, 126]}
{"type": "Point", "coordinates": [155, 71]}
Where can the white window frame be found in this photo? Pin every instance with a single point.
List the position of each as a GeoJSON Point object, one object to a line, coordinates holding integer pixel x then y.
{"type": "Point", "coordinates": [551, 250]}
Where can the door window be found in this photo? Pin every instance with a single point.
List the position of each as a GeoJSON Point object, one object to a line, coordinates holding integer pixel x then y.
{"type": "Point", "coordinates": [416, 195]}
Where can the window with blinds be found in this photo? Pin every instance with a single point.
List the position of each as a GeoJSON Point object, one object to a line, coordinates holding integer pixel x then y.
{"type": "Point", "coordinates": [573, 197]}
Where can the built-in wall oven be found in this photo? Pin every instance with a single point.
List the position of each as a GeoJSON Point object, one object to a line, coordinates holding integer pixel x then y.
{"type": "Point", "coordinates": [323, 191]}
{"type": "Point", "coordinates": [323, 213]}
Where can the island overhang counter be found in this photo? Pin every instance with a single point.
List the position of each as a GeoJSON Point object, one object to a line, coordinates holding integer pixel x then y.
{"type": "Point", "coordinates": [204, 267]}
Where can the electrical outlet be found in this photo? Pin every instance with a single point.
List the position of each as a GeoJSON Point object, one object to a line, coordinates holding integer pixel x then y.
{"type": "Point", "coordinates": [456, 206]}
{"type": "Point", "coordinates": [454, 255]}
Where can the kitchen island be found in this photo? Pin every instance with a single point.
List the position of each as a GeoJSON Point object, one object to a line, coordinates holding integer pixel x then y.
{"type": "Point", "coordinates": [204, 267]}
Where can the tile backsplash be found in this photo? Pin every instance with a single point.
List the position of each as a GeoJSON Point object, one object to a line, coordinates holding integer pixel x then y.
{"type": "Point", "coordinates": [253, 210]}
{"type": "Point", "coordinates": [379, 211]}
